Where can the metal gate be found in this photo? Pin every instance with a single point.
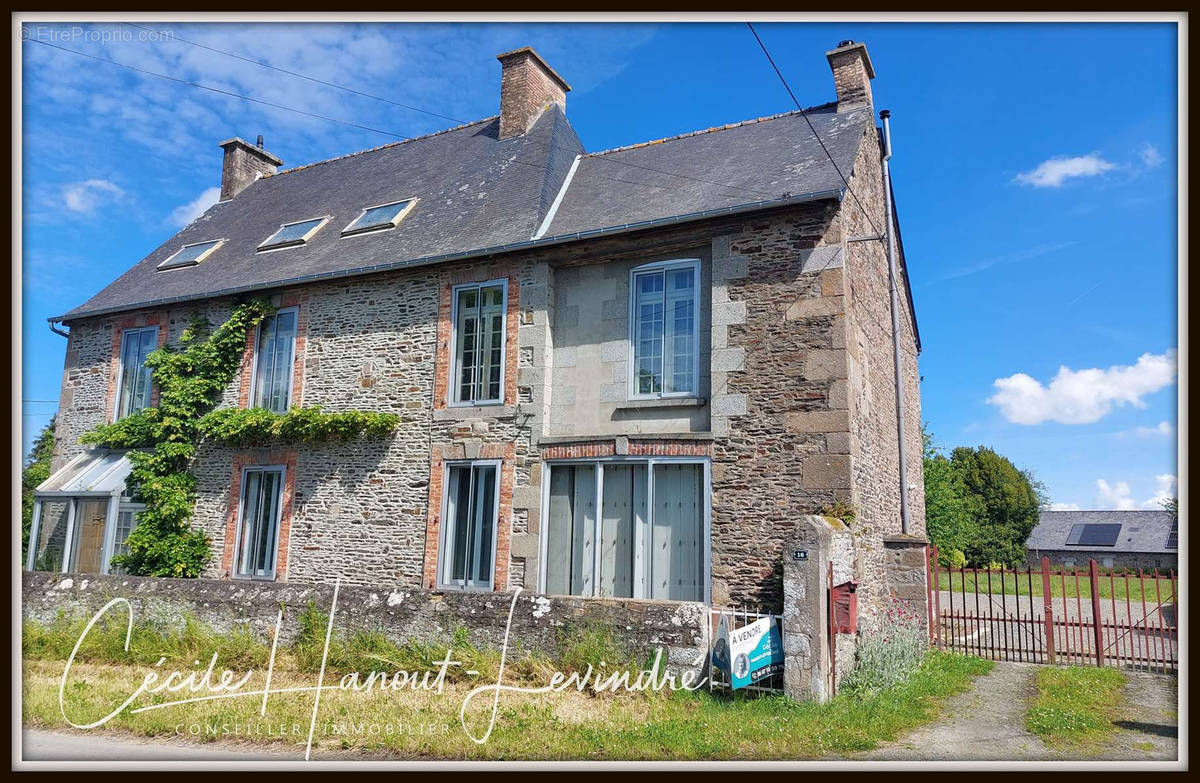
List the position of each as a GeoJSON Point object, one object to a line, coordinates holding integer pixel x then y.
{"type": "Point", "coordinates": [1086, 617]}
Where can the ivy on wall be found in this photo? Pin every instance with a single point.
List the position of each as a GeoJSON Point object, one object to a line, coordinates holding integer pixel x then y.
{"type": "Point", "coordinates": [190, 382]}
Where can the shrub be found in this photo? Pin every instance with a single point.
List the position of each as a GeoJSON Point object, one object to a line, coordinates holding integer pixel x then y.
{"type": "Point", "coordinates": [888, 656]}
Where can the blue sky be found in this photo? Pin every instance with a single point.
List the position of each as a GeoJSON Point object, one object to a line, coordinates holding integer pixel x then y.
{"type": "Point", "coordinates": [1035, 170]}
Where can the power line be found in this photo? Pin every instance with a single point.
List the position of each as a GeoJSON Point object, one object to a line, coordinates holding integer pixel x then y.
{"type": "Point", "coordinates": [803, 114]}
{"type": "Point", "coordinates": [220, 91]}
{"type": "Point", "coordinates": [300, 75]}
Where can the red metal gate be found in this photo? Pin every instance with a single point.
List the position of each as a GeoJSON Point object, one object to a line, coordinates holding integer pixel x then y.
{"type": "Point", "coordinates": [1062, 616]}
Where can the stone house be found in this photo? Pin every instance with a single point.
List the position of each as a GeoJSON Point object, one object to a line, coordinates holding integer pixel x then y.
{"type": "Point", "coordinates": [620, 374]}
{"type": "Point", "coordinates": [1114, 539]}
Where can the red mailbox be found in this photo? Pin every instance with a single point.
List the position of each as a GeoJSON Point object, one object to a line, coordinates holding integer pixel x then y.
{"type": "Point", "coordinates": [843, 606]}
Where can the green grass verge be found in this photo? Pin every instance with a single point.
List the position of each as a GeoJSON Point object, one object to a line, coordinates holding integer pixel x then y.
{"type": "Point", "coordinates": [562, 725]}
{"type": "Point", "coordinates": [1075, 705]}
{"type": "Point", "coordinates": [1150, 590]}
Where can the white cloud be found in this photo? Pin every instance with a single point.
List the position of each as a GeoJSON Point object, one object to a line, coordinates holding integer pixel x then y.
{"type": "Point", "coordinates": [186, 213]}
{"type": "Point", "coordinates": [85, 197]}
{"type": "Point", "coordinates": [1054, 172]}
{"type": "Point", "coordinates": [1064, 506]}
{"type": "Point", "coordinates": [1119, 496]}
{"type": "Point", "coordinates": [1162, 429]}
{"type": "Point", "coordinates": [1082, 396]}
{"type": "Point", "coordinates": [1151, 157]}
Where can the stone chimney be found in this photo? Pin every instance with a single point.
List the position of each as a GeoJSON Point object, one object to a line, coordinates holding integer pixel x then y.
{"type": "Point", "coordinates": [852, 75]}
{"type": "Point", "coordinates": [244, 162]}
{"type": "Point", "coordinates": [527, 87]}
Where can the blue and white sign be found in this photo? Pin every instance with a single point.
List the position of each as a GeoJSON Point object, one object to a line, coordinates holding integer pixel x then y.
{"type": "Point", "coordinates": [755, 652]}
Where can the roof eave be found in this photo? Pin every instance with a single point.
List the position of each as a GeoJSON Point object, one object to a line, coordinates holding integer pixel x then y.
{"type": "Point", "coordinates": [786, 201]}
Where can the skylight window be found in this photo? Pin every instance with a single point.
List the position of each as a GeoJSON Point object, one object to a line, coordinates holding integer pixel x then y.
{"type": "Point", "coordinates": [293, 234]}
{"type": "Point", "coordinates": [190, 255]}
{"type": "Point", "coordinates": [379, 218]}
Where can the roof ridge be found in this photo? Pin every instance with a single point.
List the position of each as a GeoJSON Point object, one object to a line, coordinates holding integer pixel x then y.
{"type": "Point", "coordinates": [382, 147]}
{"type": "Point", "coordinates": [713, 129]}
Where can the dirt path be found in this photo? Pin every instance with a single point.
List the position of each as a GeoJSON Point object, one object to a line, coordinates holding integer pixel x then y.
{"type": "Point", "coordinates": [988, 723]}
{"type": "Point", "coordinates": [985, 723]}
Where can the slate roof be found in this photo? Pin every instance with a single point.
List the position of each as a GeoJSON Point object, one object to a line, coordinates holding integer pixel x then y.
{"type": "Point", "coordinates": [1141, 531]}
{"type": "Point", "coordinates": [480, 195]}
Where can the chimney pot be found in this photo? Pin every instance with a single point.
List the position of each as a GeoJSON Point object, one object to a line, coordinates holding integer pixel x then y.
{"type": "Point", "coordinates": [852, 75]}
{"type": "Point", "coordinates": [259, 143]}
{"type": "Point", "coordinates": [527, 87]}
{"type": "Point", "coordinates": [244, 163]}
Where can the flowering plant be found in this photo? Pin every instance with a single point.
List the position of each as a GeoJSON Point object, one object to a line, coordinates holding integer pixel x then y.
{"type": "Point", "coordinates": [889, 654]}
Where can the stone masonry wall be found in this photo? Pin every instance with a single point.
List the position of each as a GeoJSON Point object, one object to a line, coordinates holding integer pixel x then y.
{"type": "Point", "coordinates": [679, 629]}
{"type": "Point", "coordinates": [871, 391]}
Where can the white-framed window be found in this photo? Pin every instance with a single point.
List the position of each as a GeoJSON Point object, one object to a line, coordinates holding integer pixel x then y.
{"type": "Point", "coordinates": [293, 234]}
{"type": "Point", "coordinates": [260, 510]}
{"type": "Point", "coordinates": [133, 376]}
{"type": "Point", "coordinates": [627, 528]}
{"type": "Point", "coordinates": [479, 319]}
{"type": "Point", "coordinates": [274, 357]}
{"type": "Point", "coordinates": [470, 515]}
{"type": "Point", "coordinates": [190, 255]}
{"type": "Point", "coordinates": [664, 342]}
{"type": "Point", "coordinates": [126, 521]}
{"type": "Point", "coordinates": [380, 217]}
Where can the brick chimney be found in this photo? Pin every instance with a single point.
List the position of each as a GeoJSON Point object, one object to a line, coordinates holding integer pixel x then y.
{"type": "Point", "coordinates": [852, 75]}
{"type": "Point", "coordinates": [244, 162]}
{"type": "Point", "coordinates": [527, 87]}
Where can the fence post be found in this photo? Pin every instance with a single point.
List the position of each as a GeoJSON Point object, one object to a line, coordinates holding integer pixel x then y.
{"type": "Point", "coordinates": [1094, 580]}
{"type": "Point", "coordinates": [1049, 609]}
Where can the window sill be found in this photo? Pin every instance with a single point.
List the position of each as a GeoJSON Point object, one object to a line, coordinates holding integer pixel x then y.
{"type": "Point", "coordinates": [458, 412]}
{"type": "Point", "coordinates": [663, 402]}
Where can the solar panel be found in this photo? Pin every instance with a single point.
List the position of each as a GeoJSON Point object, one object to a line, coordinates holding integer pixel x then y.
{"type": "Point", "coordinates": [1094, 535]}
{"type": "Point", "coordinates": [1173, 536]}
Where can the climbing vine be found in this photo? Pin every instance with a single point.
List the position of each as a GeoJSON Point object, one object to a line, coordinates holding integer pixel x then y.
{"type": "Point", "coordinates": [164, 439]}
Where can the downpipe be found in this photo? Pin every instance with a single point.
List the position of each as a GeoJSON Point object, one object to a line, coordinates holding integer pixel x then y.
{"type": "Point", "coordinates": [890, 233]}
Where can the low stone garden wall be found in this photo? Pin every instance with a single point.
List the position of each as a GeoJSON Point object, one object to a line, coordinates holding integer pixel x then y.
{"type": "Point", "coordinates": [681, 629]}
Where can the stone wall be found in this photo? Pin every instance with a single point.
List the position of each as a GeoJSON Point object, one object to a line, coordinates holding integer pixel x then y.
{"type": "Point", "coordinates": [1067, 558]}
{"type": "Point", "coordinates": [874, 455]}
{"type": "Point", "coordinates": [680, 629]}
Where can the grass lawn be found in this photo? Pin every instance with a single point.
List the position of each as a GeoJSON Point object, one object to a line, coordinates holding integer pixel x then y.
{"type": "Point", "coordinates": [1137, 590]}
{"type": "Point", "coordinates": [1075, 705]}
{"type": "Point", "coordinates": [425, 724]}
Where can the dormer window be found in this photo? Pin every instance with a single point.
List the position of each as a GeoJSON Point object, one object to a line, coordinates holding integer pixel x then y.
{"type": "Point", "coordinates": [293, 234]}
{"type": "Point", "coordinates": [380, 218]}
{"type": "Point", "coordinates": [190, 255]}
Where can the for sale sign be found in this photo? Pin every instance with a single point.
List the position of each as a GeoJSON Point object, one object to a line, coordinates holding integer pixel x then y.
{"type": "Point", "coordinates": [755, 652]}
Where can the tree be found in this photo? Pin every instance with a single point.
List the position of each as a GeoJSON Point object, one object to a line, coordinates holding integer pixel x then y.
{"type": "Point", "coordinates": [36, 470]}
{"type": "Point", "coordinates": [948, 520]}
{"type": "Point", "coordinates": [1003, 502]}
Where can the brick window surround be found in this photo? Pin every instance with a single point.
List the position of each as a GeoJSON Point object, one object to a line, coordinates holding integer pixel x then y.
{"type": "Point", "coordinates": [445, 329]}
{"type": "Point", "coordinates": [134, 321]}
{"type": "Point", "coordinates": [242, 459]}
{"type": "Point", "coordinates": [658, 447]}
{"type": "Point", "coordinates": [299, 300]}
{"type": "Point", "coordinates": [439, 456]}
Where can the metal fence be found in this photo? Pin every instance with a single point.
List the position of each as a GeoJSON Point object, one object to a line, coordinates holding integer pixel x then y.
{"type": "Point", "coordinates": [1088, 617]}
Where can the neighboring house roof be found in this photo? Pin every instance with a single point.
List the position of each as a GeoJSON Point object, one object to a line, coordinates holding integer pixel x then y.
{"type": "Point", "coordinates": [1140, 531]}
{"type": "Point", "coordinates": [479, 195]}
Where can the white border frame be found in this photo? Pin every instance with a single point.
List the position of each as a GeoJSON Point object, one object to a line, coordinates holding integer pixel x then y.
{"type": "Point", "coordinates": [351, 231]}
{"type": "Point", "coordinates": [706, 521]}
{"type": "Point", "coordinates": [166, 265]}
{"type": "Point", "coordinates": [268, 247]}
{"type": "Point", "coordinates": [237, 538]}
{"type": "Point", "coordinates": [631, 338]}
{"type": "Point", "coordinates": [451, 378]}
{"type": "Point", "coordinates": [291, 360]}
{"type": "Point", "coordinates": [116, 412]}
{"type": "Point", "coordinates": [440, 583]}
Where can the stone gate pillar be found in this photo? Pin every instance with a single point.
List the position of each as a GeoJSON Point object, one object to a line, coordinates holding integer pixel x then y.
{"type": "Point", "coordinates": [908, 573]}
{"type": "Point", "coordinates": [816, 542]}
